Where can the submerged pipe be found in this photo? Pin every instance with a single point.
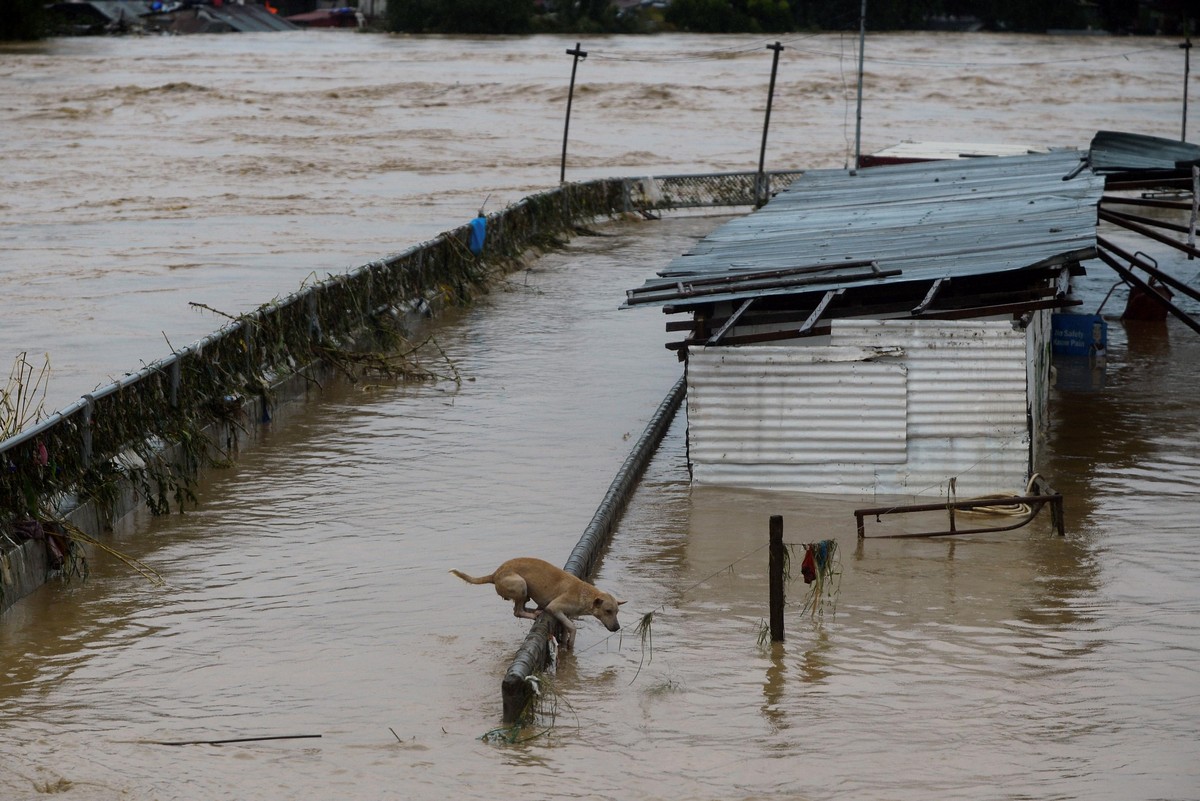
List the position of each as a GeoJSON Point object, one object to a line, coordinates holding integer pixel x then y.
{"type": "Point", "coordinates": [534, 653]}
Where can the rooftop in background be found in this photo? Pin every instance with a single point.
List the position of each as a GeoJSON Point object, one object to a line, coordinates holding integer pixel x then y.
{"type": "Point", "coordinates": [909, 152]}
{"type": "Point", "coordinates": [172, 16]}
{"type": "Point", "coordinates": [1112, 151]}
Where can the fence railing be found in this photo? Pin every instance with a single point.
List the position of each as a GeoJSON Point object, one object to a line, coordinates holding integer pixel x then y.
{"type": "Point", "coordinates": [75, 451]}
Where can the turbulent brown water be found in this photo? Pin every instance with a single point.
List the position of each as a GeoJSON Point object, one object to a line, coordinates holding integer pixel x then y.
{"type": "Point", "coordinates": [309, 595]}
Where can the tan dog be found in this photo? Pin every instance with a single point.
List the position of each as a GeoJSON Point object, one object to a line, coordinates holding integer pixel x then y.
{"type": "Point", "coordinates": [554, 590]}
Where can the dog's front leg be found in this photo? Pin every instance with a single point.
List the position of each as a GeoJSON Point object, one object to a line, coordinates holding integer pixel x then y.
{"type": "Point", "coordinates": [568, 640]}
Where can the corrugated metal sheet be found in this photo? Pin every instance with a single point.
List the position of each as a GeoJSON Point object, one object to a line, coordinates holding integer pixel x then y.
{"type": "Point", "coordinates": [121, 10]}
{"type": "Point", "coordinates": [936, 151]}
{"type": "Point", "coordinates": [1112, 151]}
{"type": "Point", "coordinates": [249, 19]}
{"type": "Point", "coordinates": [780, 405]}
{"type": "Point", "coordinates": [928, 220]}
{"type": "Point", "coordinates": [824, 425]}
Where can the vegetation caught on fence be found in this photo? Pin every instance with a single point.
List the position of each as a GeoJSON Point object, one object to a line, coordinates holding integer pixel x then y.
{"type": "Point", "coordinates": [145, 438]}
{"type": "Point", "coordinates": [154, 429]}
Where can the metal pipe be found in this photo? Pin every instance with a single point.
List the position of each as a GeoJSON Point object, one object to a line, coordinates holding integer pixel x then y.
{"type": "Point", "coordinates": [862, 43]}
{"type": "Point", "coordinates": [759, 179]}
{"type": "Point", "coordinates": [576, 53]}
{"type": "Point", "coordinates": [1187, 66]}
{"type": "Point", "coordinates": [534, 652]}
{"type": "Point", "coordinates": [1122, 221]}
{"type": "Point", "coordinates": [1035, 502]}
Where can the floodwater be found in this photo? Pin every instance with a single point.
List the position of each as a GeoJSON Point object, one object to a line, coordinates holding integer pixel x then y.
{"type": "Point", "coordinates": [307, 597]}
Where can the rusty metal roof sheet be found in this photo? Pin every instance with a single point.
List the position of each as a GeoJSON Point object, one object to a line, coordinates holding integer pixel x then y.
{"type": "Point", "coordinates": [1112, 151]}
{"type": "Point", "coordinates": [834, 230]}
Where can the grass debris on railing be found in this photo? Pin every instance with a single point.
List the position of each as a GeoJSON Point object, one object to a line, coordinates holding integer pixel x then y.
{"type": "Point", "coordinates": [23, 398]}
{"type": "Point", "coordinates": [155, 429]}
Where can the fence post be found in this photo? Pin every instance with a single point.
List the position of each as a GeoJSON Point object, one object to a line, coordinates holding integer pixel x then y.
{"type": "Point", "coordinates": [775, 577]}
{"type": "Point", "coordinates": [176, 377]}
{"type": "Point", "coordinates": [86, 456]}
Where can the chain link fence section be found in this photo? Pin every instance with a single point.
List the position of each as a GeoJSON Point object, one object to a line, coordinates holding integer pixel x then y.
{"type": "Point", "coordinates": [704, 191]}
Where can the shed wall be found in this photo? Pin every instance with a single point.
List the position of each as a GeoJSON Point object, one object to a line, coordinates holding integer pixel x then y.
{"type": "Point", "coordinates": [863, 417]}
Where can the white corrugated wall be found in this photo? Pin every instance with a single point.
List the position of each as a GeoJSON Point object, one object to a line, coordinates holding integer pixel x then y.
{"type": "Point", "coordinates": [854, 418]}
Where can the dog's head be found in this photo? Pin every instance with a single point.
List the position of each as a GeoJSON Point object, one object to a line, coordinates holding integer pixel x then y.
{"type": "Point", "coordinates": [605, 608]}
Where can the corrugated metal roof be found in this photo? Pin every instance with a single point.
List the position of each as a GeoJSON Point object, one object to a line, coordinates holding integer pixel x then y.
{"type": "Point", "coordinates": [927, 221]}
{"type": "Point", "coordinates": [1112, 151]}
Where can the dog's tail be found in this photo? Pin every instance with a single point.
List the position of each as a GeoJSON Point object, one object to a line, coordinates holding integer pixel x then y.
{"type": "Point", "coordinates": [473, 580]}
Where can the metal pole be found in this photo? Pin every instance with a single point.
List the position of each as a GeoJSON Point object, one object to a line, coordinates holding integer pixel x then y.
{"type": "Point", "coordinates": [776, 556]}
{"type": "Point", "coordinates": [1195, 209]}
{"type": "Point", "coordinates": [575, 54]}
{"type": "Point", "coordinates": [1187, 65]}
{"type": "Point", "coordinates": [759, 184]}
{"type": "Point", "coordinates": [862, 41]}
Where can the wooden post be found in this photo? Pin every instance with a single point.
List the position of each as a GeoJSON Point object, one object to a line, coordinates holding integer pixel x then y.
{"type": "Point", "coordinates": [576, 53]}
{"type": "Point", "coordinates": [775, 577]}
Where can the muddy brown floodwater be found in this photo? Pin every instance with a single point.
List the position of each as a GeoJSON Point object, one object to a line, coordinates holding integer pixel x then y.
{"type": "Point", "coordinates": [308, 594]}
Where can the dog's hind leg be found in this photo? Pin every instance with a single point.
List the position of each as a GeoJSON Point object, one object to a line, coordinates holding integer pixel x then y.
{"type": "Point", "coordinates": [513, 588]}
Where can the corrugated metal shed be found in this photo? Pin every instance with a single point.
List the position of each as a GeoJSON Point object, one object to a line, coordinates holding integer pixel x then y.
{"type": "Point", "coordinates": [906, 223]}
{"type": "Point", "coordinates": [1112, 151]}
{"type": "Point", "coordinates": [891, 407]}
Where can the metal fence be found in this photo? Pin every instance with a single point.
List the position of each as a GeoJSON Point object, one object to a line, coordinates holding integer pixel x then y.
{"type": "Point", "coordinates": [705, 191]}
{"type": "Point", "coordinates": [117, 430]}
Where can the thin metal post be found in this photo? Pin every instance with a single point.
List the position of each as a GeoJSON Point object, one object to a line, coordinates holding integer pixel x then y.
{"type": "Point", "coordinates": [862, 41]}
{"type": "Point", "coordinates": [576, 53]}
{"type": "Point", "coordinates": [1187, 65]}
{"type": "Point", "coordinates": [777, 555]}
{"type": "Point", "coordinates": [1195, 209]}
{"type": "Point", "coordinates": [760, 194]}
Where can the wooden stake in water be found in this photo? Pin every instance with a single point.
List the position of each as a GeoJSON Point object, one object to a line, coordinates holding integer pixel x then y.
{"type": "Point", "coordinates": [777, 556]}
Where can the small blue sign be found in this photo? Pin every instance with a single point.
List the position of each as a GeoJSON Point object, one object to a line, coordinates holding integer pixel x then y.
{"type": "Point", "coordinates": [1078, 334]}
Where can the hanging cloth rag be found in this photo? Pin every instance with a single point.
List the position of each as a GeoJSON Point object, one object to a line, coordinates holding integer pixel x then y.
{"type": "Point", "coordinates": [808, 567]}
